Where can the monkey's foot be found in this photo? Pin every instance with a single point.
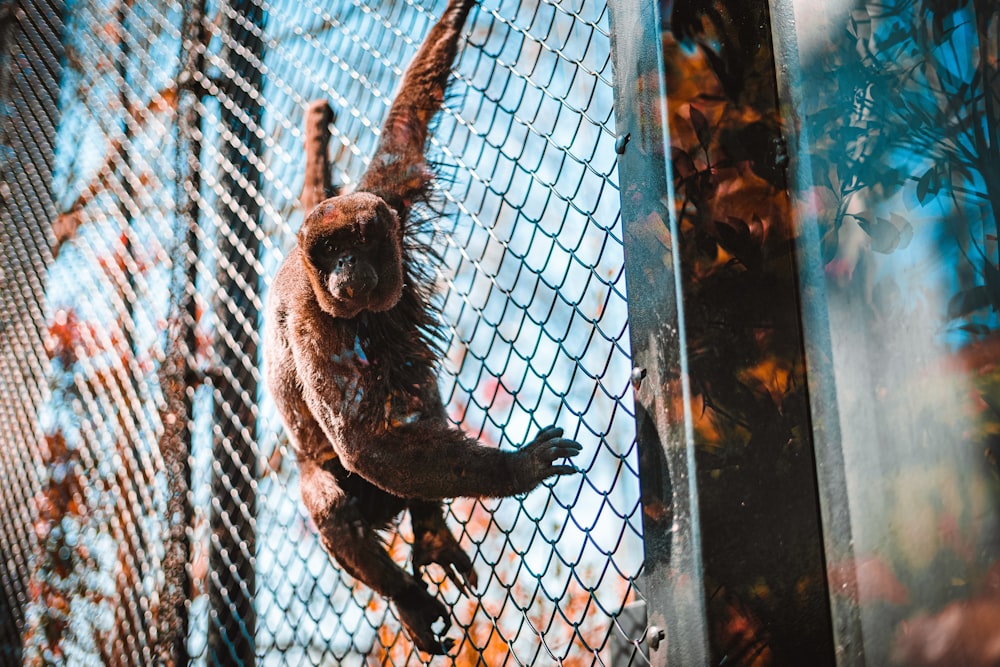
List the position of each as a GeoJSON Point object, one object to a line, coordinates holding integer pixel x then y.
{"type": "Point", "coordinates": [439, 546]}
{"type": "Point", "coordinates": [419, 611]}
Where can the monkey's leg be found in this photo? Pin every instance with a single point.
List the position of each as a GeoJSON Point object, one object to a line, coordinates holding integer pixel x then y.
{"type": "Point", "coordinates": [352, 540]}
{"type": "Point", "coordinates": [434, 543]}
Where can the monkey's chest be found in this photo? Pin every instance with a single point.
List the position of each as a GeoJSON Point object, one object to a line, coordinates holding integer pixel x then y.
{"type": "Point", "coordinates": [381, 394]}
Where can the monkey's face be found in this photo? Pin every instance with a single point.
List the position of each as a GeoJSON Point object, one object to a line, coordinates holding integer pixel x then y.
{"type": "Point", "coordinates": [351, 250]}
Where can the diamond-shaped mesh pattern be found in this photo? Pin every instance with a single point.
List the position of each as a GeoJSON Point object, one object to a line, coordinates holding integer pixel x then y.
{"type": "Point", "coordinates": [131, 381]}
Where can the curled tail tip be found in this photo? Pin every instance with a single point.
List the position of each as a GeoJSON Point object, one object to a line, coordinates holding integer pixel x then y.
{"type": "Point", "coordinates": [318, 105]}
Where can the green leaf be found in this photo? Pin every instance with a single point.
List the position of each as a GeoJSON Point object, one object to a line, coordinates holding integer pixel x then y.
{"type": "Point", "coordinates": [735, 236]}
{"type": "Point", "coordinates": [927, 185]}
{"type": "Point", "coordinates": [905, 229]}
{"type": "Point", "coordinates": [884, 235]}
{"type": "Point", "coordinates": [701, 129]}
{"type": "Point", "coordinates": [992, 276]}
{"type": "Point", "coordinates": [967, 301]}
{"type": "Point", "coordinates": [976, 328]}
{"type": "Point", "coordinates": [683, 164]}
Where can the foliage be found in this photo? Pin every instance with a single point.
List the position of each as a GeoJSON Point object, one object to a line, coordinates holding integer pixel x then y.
{"type": "Point", "coordinates": [900, 173]}
{"type": "Point", "coordinates": [905, 145]}
{"type": "Point", "coordinates": [72, 588]}
{"type": "Point", "coordinates": [95, 594]}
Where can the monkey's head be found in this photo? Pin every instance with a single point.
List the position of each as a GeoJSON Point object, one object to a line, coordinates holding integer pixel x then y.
{"type": "Point", "coordinates": [351, 247]}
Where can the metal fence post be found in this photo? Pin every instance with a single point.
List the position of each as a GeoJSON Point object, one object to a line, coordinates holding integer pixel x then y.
{"type": "Point", "coordinates": [676, 620]}
{"type": "Point", "coordinates": [233, 554]}
{"type": "Point", "coordinates": [730, 506]}
{"type": "Point", "coordinates": [176, 372]}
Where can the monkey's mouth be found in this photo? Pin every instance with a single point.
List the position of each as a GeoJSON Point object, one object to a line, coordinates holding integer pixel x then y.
{"type": "Point", "coordinates": [357, 287]}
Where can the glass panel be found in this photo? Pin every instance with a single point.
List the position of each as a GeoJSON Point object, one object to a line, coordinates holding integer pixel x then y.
{"type": "Point", "coordinates": [757, 499]}
{"type": "Point", "coordinates": [898, 189]}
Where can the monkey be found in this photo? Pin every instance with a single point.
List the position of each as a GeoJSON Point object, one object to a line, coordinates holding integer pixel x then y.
{"type": "Point", "coordinates": [352, 345]}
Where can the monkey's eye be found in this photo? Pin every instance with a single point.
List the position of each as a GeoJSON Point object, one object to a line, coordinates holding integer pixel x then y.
{"type": "Point", "coordinates": [368, 231]}
{"type": "Point", "coordinates": [324, 253]}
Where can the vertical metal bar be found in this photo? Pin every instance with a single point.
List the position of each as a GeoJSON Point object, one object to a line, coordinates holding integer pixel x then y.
{"type": "Point", "coordinates": [232, 555]}
{"type": "Point", "coordinates": [125, 200]}
{"type": "Point", "coordinates": [10, 585]}
{"type": "Point", "coordinates": [760, 528]}
{"type": "Point", "coordinates": [832, 479]}
{"type": "Point", "coordinates": [672, 578]}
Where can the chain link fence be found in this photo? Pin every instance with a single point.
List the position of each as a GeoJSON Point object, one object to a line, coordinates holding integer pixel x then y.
{"type": "Point", "coordinates": [149, 504]}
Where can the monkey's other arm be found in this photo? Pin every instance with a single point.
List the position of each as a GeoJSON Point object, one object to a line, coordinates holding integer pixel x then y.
{"type": "Point", "coordinates": [398, 172]}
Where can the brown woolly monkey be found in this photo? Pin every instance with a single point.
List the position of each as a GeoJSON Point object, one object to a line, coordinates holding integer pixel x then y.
{"type": "Point", "coordinates": [351, 353]}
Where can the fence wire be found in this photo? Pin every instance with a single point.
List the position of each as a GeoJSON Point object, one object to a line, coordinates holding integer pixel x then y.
{"type": "Point", "coordinates": [174, 196]}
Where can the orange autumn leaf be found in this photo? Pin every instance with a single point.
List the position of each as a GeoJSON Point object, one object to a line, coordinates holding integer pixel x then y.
{"type": "Point", "coordinates": [866, 580]}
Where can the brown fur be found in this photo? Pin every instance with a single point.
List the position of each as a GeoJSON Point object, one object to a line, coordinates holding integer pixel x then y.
{"type": "Point", "coordinates": [351, 363]}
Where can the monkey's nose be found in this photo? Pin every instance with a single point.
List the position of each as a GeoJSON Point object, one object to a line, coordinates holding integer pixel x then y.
{"type": "Point", "coordinates": [353, 280]}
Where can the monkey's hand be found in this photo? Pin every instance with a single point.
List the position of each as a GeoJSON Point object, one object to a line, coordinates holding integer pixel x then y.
{"type": "Point", "coordinates": [441, 547]}
{"type": "Point", "coordinates": [419, 611]}
{"type": "Point", "coordinates": [537, 459]}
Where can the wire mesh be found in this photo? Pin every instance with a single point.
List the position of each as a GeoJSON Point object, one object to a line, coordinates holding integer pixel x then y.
{"type": "Point", "coordinates": [30, 56]}
{"type": "Point", "coordinates": [173, 201]}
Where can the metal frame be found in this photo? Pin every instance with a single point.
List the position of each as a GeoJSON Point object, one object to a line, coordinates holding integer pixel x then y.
{"type": "Point", "coordinates": [677, 631]}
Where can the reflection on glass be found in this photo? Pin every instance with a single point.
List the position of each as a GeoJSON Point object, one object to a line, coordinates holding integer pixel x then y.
{"type": "Point", "coordinates": [765, 590]}
{"type": "Point", "coordinates": [899, 103]}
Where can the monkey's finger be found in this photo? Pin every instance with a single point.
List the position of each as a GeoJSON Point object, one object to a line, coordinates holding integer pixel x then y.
{"type": "Point", "coordinates": [548, 433]}
{"type": "Point", "coordinates": [427, 642]}
{"type": "Point", "coordinates": [471, 576]}
{"type": "Point", "coordinates": [459, 579]}
{"type": "Point", "coordinates": [463, 565]}
{"type": "Point", "coordinates": [468, 574]}
{"type": "Point", "coordinates": [448, 644]}
{"type": "Point", "coordinates": [564, 470]}
{"type": "Point", "coordinates": [570, 445]}
{"type": "Point", "coordinates": [560, 449]}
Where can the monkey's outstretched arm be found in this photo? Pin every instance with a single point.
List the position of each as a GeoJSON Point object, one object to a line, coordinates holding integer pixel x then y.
{"type": "Point", "coordinates": [398, 172]}
{"type": "Point", "coordinates": [430, 460]}
{"type": "Point", "coordinates": [425, 458]}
